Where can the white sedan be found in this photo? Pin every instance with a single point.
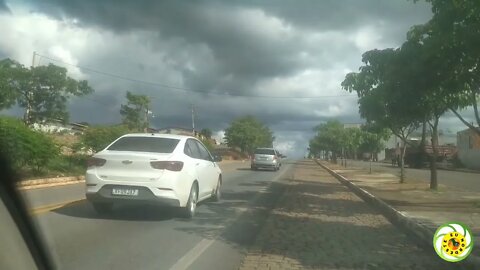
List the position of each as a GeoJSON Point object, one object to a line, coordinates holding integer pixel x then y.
{"type": "Point", "coordinates": [171, 170]}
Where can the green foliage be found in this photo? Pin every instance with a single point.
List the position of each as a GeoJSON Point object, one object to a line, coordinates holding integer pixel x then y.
{"type": "Point", "coordinates": [451, 39]}
{"type": "Point", "coordinates": [24, 146]}
{"type": "Point", "coordinates": [247, 133]}
{"type": "Point", "coordinates": [135, 112]}
{"type": "Point", "coordinates": [386, 94]}
{"type": "Point", "coordinates": [68, 165]}
{"type": "Point", "coordinates": [208, 144]}
{"type": "Point", "coordinates": [207, 133]}
{"type": "Point", "coordinates": [42, 91]}
{"type": "Point", "coordinates": [334, 138]}
{"type": "Point", "coordinates": [330, 137]}
{"type": "Point", "coordinates": [97, 138]}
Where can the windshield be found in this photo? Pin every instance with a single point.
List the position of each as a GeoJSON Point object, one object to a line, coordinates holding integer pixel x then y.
{"type": "Point", "coordinates": [265, 152]}
{"type": "Point", "coordinates": [144, 144]}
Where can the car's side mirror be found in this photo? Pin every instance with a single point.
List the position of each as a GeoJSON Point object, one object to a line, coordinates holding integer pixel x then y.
{"type": "Point", "coordinates": [217, 158]}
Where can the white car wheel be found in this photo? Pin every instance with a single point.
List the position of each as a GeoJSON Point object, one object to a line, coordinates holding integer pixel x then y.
{"type": "Point", "coordinates": [189, 209]}
{"type": "Point", "coordinates": [217, 195]}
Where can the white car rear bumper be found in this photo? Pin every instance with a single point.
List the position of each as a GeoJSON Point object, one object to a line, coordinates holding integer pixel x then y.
{"type": "Point", "coordinates": [101, 190]}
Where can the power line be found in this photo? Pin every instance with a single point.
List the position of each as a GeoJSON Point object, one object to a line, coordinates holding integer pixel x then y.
{"type": "Point", "coordinates": [186, 89]}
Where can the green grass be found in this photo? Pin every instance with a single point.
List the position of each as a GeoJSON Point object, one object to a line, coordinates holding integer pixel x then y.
{"type": "Point", "coordinates": [59, 166]}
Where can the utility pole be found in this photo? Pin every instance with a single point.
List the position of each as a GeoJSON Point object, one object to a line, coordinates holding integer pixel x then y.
{"type": "Point", "coordinates": [147, 113]}
{"type": "Point", "coordinates": [33, 59]}
{"type": "Point", "coordinates": [146, 119]}
{"type": "Point", "coordinates": [193, 120]}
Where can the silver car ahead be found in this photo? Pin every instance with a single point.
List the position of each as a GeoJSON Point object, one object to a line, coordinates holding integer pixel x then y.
{"type": "Point", "coordinates": [266, 158]}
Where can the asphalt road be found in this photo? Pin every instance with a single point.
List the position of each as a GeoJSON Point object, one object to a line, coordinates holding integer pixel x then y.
{"type": "Point", "coordinates": [218, 237]}
{"type": "Point", "coordinates": [463, 180]}
{"type": "Point", "coordinates": [153, 238]}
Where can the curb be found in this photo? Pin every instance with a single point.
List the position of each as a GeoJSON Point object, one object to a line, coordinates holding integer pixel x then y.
{"type": "Point", "coordinates": [421, 231]}
{"type": "Point", "coordinates": [48, 182]}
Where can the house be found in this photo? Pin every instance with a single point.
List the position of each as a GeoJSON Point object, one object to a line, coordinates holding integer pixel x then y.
{"type": "Point", "coordinates": [468, 144]}
{"type": "Point", "coordinates": [57, 126]}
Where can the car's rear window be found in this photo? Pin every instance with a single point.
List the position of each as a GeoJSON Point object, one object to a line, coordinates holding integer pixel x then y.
{"type": "Point", "coordinates": [264, 152]}
{"type": "Point", "coordinates": [145, 144]}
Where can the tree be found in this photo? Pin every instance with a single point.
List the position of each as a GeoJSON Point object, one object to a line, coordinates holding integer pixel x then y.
{"type": "Point", "coordinates": [452, 36]}
{"type": "Point", "coordinates": [354, 139]}
{"type": "Point", "coordinates": [42, 91]}
{"type": "Point", "coordinates": [330, 138]}
{"type": "Point", "coordinates": [373, 138]}
{"type": "Point", "coordinates": [207, 133]}
{"type": "Point", "coordinates": [97, 138]}
{"type": "Point", "coordinates": [135, 112]}
{"type": "Point", "coordinates": [247, 133]}
{"type": "Point", "coordinates": [380, 86]}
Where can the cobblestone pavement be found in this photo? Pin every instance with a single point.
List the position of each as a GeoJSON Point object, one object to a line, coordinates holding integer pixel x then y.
{"type": "Point", "coordinates": [320, 224]}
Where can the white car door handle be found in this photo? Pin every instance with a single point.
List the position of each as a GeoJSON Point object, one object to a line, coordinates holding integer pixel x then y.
{"type": "Point", "coordinates": [197, 164]}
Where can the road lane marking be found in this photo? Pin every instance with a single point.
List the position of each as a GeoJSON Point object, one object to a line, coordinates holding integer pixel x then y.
{"type": "Point", "coordinates": [50, 207]}
{"type": "Point", "coordinates": [187, 259]}
{"type": "Point", "coordinates": [193, 254]}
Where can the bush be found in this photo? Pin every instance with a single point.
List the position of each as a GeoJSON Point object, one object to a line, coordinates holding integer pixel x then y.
{"type": "Point", "coordinates": [24, 146]}
{"type": "Point", "coordinates": [68, 165]}
{"type": "Point", "coordinates": [97, 138]}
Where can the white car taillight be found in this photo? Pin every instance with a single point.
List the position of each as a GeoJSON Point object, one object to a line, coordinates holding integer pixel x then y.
{"type": "Point", "coordinates": [95, 162]}
{"type": "Point", "coordinates": [175, 166]}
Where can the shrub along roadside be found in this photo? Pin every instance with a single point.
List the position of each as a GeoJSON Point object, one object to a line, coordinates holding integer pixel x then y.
{"type": "Point", "coordinates": [25, 148]}
{"type": "Point", "coordinates": [34, 154]}
{"type": "Point", "coordinates": [97, 138]}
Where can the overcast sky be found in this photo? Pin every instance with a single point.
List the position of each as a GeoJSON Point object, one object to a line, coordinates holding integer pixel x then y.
{"type": "Point", "coordinates": [211, 52]}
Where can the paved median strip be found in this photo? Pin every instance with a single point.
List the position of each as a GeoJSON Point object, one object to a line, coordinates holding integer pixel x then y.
{"type": "Point", "coordinates": [50, 207]}
{"type": "Point", "coordinates": [395, 216]}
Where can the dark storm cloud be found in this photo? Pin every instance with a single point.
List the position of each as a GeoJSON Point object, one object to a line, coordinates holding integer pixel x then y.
{"type": "Point", "coordinates": [3, 6]}
{"type": "Point", "coordinates": [243, 54]}
{"type": "Point", "coordinates": [345, 14]}
{"type": "Point", "coordinates": [236, 47]}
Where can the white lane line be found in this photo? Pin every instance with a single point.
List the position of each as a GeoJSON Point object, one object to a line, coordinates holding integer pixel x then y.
{"type": "Point", "coordinates": [192, 255]}
{"type": "Point", "coordinates": [186, 260]}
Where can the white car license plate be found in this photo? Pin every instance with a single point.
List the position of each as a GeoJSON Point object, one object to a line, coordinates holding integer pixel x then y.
{"type": "Point", "coordinates": [125, 191]}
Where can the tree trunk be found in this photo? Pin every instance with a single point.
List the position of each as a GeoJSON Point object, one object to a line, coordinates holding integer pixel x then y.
{"type": "Point", "coordinates": [27, 116]}
{"type": "Point", "coordinates": [334, 157]}
{"type": "Point", "coordinates": [433, 159]}
{"type": "Point", "coordinates": [371, 162]}
{"type": "Point", "coordinates": [421, 148]}
{"type": "Point", "coordinates": [402, 163]}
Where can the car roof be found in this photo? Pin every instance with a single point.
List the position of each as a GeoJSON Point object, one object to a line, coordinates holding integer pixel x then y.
{"type": "Point", "coordinates": [159, 135]}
